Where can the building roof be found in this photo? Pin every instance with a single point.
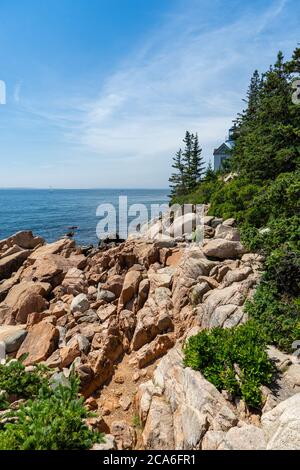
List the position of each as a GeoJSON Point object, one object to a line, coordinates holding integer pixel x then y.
{"type": "Point", "coordinates": [224, 148]}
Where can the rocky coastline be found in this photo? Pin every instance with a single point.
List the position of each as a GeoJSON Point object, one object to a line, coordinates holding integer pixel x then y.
{"type": "Point", "coordinates": [120, 317]}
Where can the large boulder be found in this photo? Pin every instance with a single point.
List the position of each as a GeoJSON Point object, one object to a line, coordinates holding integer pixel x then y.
{"type": "Point", "coordinates": [107, 348]}
{"type": "Point", "coordinates": [237, 275]}
{"type": "Point", "coordinates": [146, 253]}
{"type": "Point", "coordinates": [282, 425]}
{"type": "Point", "coordinates": [75, 282]}
{"type": "Point", "coordinates": [24, 239]}
{"type": "Point", "coordinates": [26, 298]}
{"type": "Point", "coordinates": [53, 248]}
{"type": "Point", "coordinates": [161, 278]}
{"type": "Point", "coordinates": [158, 433]}
{"type": "Point", "coordinates": [223, 307]}
{"type": "Point", "coordinates": [39, 344]}
{"type": "Point", "coordinates": [12, 337]}
{"type": "Point", "coordinates": [7, 284]}
{"type": "Point", "coordinates": [183, 224]}
{"type": "Point", "coordinates": [114, 284]}
{"type": "Point", "coordinates": [80, 304]}
{"type": "Point", "coordinates": [192, 265]}
{"type": "Point", "coordinates": [52, 268]}
{"type": "Point", "coordinates": [223, 249]}
{"type": "Point", "coordinates": [124, 435]}
{"type": "Point", "coordinates": [227, 232]}
{"type": "Point", "coordinates": [246, 437]}
{"type": "Point", "coordinates": [153, 351]}
{"type": "Point", "coordinates": [154, 318]}
{"type": "Point", "coordinates": [191, 405]}
{"type": "Point", "coordinates": [130, 288]}
{"type": "Point", "coordinates": [10, 264]}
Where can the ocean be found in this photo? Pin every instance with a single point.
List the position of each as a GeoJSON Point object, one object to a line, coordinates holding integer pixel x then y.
{"type": "Point", "coordinates": [50, 212]}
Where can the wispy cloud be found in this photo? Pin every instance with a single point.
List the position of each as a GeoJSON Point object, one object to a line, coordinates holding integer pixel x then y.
{"type": "Point", "coordinates": [184, 78]}
{"type": "Point", "coordinates": [186, 75]}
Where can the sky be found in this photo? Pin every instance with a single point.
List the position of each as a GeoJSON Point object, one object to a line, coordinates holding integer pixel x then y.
{"type": "Point", "coordinates": [99, 93]}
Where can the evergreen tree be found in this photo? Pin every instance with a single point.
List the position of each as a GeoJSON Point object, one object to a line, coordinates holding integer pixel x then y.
{"type": "Point", "coordinates": [209, 173]}
{"type": "Point", "coordinates": [293, 66]}
{"type": "Point", "coordinates": [252, 101]}
{"type": "Point", "coordinates": [197, 164]}
{"type": "Point", "coordinates": [269, 139]}
{"type": "Point", "coordinates": [187, 160]}
{"type": "Point", "coordinates": [176, 180]}
{"type": "Point", "coordinates": [189, 167]}
{"type": "Point", "coordinates": [253, 94]}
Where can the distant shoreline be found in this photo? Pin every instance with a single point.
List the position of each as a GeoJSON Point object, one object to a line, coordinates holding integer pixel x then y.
{"type": "Point", "coordinates": [83, 189]}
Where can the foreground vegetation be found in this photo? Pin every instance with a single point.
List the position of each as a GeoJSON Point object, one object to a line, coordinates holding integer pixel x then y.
{"type": "Point", "coordinates": [263, 195]}
{"type": "Point", "coordinates": [52, 419]}
{"type": "Point", "coordinates": [233, 359]}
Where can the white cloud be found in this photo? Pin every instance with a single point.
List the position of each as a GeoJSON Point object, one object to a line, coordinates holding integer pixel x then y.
{"type": "Point", "coordinates": [186, 75]}
{"type": "Point", "coordinates": [183, 78]}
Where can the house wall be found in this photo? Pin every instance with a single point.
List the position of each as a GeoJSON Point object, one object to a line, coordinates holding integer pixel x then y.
{"type": "Point", "coordinates": [218, 160]}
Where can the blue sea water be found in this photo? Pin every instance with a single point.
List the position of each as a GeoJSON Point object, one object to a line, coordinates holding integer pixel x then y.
{"type": "Point", "coordinates": [49, 213]}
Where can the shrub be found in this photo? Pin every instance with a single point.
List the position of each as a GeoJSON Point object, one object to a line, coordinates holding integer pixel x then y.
{"type": "Point", "coordinates": [54, 421]}
{"type": "Point", "coordinates": [202, 194]}
{"type": "Point", "coordinates": [283, 269]}
{"type": "Point", "coordinates": [281, 197]}
{"type": "Point", "coordinates": [232, 359]}
{"type": "Point", "coordinates": [16, 381]}
{"type": "Point", "coordinates": [278, 319]}
{"type": "Point", "coordinates": [235, 199]}
{"type": "Point", "coordinates": [4, 404]}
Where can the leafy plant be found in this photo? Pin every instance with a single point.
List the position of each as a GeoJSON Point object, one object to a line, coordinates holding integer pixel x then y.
{"type": "Point", "coordinates": [53, 421]}
{"type": "Point", "coordinates": [232, 359]}
{"type": "Point", "coordinates": [283, 268]}
{"type": "Point", "coordinates": [16, 381]}
{"type": "Point", "coordinates": [279, 231]}
{"type": "Point", "coordinates": [4, 404]}
{"type": "Point", "coordinates": [277, 318]}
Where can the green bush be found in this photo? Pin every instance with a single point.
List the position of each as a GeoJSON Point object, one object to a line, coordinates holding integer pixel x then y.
{"type": "Point", "coordinates": [257, 204]}
{"type": "Point", "coordinates": [281, 197]}
{"type": "Point", "coordinates": [281, 231]}
{"type": "Point", "coordinates": [232, 359]}
{"type": "Point", "coordinates": [283, 269]}
{"type": "Point", "coordinates": [16, 381]}
{"type": "Point", "coordinates": [202, 194]}
{"type": "Point", "coordinates": [278, 318]}
{"type": "Point", "coordinates": [235, 199]}
{"type": "Point", "coordinates": [4, 404]}
{"type": "Point", "coordinates": [54, 421]}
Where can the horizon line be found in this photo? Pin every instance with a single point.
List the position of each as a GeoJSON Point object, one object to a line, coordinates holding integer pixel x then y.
{"type": "Point", "coordinates": [28, 188]}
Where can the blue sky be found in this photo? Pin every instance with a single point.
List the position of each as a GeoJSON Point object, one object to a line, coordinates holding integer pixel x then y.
{"type": "Point", "coordinates": [101, 92]}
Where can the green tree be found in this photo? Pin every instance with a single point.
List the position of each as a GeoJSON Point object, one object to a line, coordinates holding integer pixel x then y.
{"type": "Point", "coordinates": [210, 175]}
{"type": "Point", "coordinates": [176, 180]}
{"type": "Point", "coordinates": [269, 138]}
{"type": "Point", "coordinates": [187, 160]}
{"type": "Point", "coordinates": [197, 164]}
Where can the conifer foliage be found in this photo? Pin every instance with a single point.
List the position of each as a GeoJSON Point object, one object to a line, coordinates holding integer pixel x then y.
{"type": "Point", "coordinates": [188, 165]}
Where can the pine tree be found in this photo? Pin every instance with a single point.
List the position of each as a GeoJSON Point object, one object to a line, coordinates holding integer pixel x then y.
{"type": "Point", "coordinates": [268, 142]}
{"type": "Point", "coordinates": [253, 94]}
{"type": "Point", "coordinates": [189, 167]}
{"type": "Point", "coordinates": [176, 180]}
{"type": "Point", "coordinates": [252, 102]}
{"type": "Point", "coordinates": [293, 66]}
{"type": "Point", "coordinates": [197, 164]}
{"type": "Point", "coordinates": [187, 160]}
{"type": "Point", "coordinates": [210, 175]}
